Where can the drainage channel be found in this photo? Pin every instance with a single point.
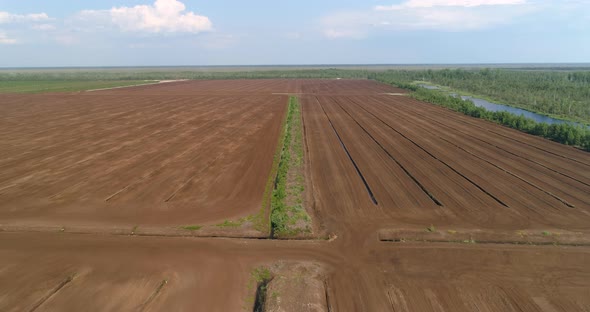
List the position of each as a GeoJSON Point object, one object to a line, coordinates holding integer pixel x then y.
{"type": "Point", "coordinates": [151, 298]}
{"type": "Point", "coordinates": [358, 170]}
{"type": "Point", "coordinates": [509, 152]}
{"type": "Point", "coordinates": [431, 155]}
{"type": "Point", "coordinates": [422, 187]}
{"type": "Point", "coordinates": [563, 201]}
{"type": "Point", "coordinates": [260, 300]}
{"type": "Point", "coordinates": [59, 287]}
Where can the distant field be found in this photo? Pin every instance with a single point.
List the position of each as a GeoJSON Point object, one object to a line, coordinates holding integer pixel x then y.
{"type": "Point", "coordinates": [40, 86]}
{"type": "Point", "coordinates": [413, 206]}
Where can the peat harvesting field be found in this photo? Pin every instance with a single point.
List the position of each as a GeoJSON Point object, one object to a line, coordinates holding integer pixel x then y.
{"type": "Point", "coordinates": [159, 197]}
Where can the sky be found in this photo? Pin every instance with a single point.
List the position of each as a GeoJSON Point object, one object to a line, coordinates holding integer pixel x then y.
{"type": "Point", "coordinates": [40, 33]}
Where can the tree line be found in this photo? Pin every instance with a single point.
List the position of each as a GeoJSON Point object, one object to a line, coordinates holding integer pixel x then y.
{"type": "Point", "coordinates": [560, 93]}
{"type": "Point", "coordinates": [563, 133]}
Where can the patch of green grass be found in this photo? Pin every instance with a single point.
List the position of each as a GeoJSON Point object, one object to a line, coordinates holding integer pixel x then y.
{"type": "Point", "coordinates": [546, 233]}
{"type": "Point", "coordinates": [47, 86]}
{"type": "Point", "coordinates": [192, 227]}
{"type": "Point", "coordinates": [259, 279]}
{"type": "Point", "coordinates": [261, 274]}
{"type": "Point", "coordinates": [229, 223]}
{"type": "Point", "coordinates": [431, 229]}
{"type": "Point", "coordinates": [287, 211]}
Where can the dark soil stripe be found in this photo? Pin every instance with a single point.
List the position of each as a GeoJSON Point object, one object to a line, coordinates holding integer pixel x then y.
{"type": "Point", "coordinates": [509, 152]}
{"type": "Point", "coordinates": [53, 292]}
{"type": "Point", "coordinates": [153, 296]}
{"type": "Point", "coordinates": [431, 155]}
{"type": "Point", "coordinates": [422, 187]}
{"type": "Point", "coordinates": [512, 174]}
{"type": "Point", "coordinates": [349, 156]}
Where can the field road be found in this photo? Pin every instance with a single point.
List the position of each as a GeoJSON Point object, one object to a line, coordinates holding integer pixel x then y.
{"type": "Point", "coordinates": [199, 152]}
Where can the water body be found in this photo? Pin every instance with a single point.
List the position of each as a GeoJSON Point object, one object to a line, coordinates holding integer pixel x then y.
{"type": "Point", "coordinates": [494, 107]}
{"type": "Point", "coordinates": [429, 87]}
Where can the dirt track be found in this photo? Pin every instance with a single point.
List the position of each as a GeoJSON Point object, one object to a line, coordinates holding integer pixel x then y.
{"type": "Point", "coordinates": [377, 162]}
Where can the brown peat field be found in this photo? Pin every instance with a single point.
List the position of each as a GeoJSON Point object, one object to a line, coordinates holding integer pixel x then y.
{"type": "Point", "coordinates": [156, 198]}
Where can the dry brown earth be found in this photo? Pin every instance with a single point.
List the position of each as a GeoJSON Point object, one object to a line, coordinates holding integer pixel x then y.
{"type": "Point", "coordinates": [382, 166]}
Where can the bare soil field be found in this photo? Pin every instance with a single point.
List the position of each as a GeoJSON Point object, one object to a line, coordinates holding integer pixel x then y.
{"type": "Point", "coordinates": [404, 188]}
{"type": "Point", "coordinates": [410, 163]}
{"type": "Point", "coordinates": [104, 160]}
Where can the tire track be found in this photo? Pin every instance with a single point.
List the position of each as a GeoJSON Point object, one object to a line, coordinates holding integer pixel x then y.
{"type": "Point", "coordinates": [229, 137]}
{"type": "Point", "coordinates": [53, 293]}
{"type": "Point", "coordinates": [166, 163]}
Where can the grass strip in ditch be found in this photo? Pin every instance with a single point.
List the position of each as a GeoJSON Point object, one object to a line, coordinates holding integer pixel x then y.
{"type": "Point", "coordinates": [262, 276]}
{"type": "Point", "coordinates": [288, 215]}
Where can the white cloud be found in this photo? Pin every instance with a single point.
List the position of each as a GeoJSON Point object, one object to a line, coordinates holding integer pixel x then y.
{"type": "Point", "coordinates": [164, 16]}
{"type": "Point", "coordinates": [5, 40]}
{"type": "Point", "coordinates": [43, 27]}
{"type": "Point", "coordinates": [433, 15]}
{"type": "Point", "coordinates": [6, 17]}
{"type": "Point", "coordinates": [447, 3]}
{"type": "Point", "coordinates": [66, 39]}
{"type": "Point", "coordinates": [344, 34]}
{"type": "Point", "coordinates": [217, 41]}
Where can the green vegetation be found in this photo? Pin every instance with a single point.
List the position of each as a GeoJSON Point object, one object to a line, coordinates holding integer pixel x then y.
{"type": "Point", "coordinates": [563, 133]}
{"type": "Point", "coordinates": [170, 74]}
{"type": "Point", "coordinates": [43, 86]}
{"type": "Point", "coordinates": [562, 94]}
{"type": "Point", "coordinates": [192, 227]}
{"type": "Point", "coordinates": [288, 216]}
{"type": "Point", "coordinates": [431, 229]}
{"type": "Point", "coordinates": [229, 223]}
{"type": "Point", "coordinates": [546, 233]}
{"type": "Point", "coordinates": [258, 220]}
{"type": "Point", "coordinates": [260, 277]}
{"type": "Point", "coordinates": [267, 196]}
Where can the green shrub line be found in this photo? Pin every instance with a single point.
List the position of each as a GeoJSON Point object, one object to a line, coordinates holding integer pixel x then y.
{"type": "Point", "coordinates": [284, 217]}
{"type": "Point", "coordinates": [267, 196]}
{"type": "Point", "coordinates": [567, 134]}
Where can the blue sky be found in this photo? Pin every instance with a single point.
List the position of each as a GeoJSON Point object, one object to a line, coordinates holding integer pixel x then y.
{"type": "Point", "coordinates": [37, 33]}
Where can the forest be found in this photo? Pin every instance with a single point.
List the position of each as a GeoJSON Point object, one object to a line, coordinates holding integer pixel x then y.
{"type": "Point", "coordinates": [563, 133]}
{"type": "Point", "coordinates": [561, 94]}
